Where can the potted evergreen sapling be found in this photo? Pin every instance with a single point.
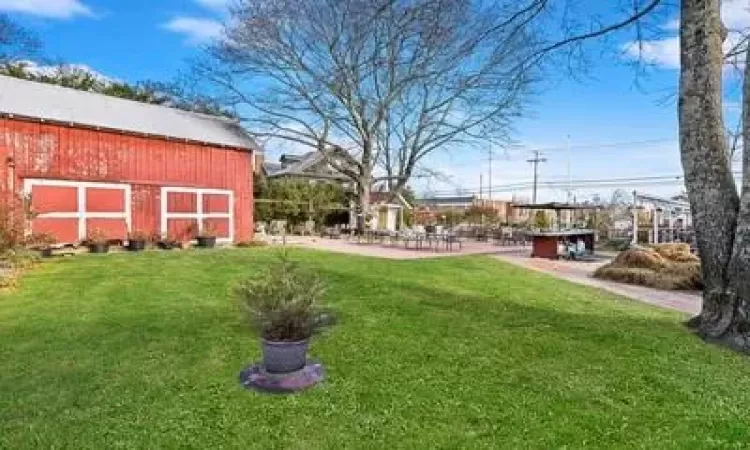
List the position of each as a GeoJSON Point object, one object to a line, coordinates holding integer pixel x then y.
{"type": "Point", "coordinates": [283, 308]}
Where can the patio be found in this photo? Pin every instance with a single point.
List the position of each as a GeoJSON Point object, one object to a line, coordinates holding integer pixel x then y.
{"type": "Point", "coordinates": [385, 248]}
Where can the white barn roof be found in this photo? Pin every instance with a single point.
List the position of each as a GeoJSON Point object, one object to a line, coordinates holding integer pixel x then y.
{"type": "Point", "coordinates": [35, 100]}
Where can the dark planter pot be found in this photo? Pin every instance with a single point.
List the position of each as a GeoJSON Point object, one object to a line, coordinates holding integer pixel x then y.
{"type": "Point", "coordinates": [45, 253]}
{"type": "Point", "coordinates": [136, 245]}
{"type": "Point", "coordinates": [284, 357]}
{"type": "Point", "coordinates": [167, 245]}
{"type": "Point", "coordinates": [206, 242]}
{"type": "Point", "coordinates": [98, 248]}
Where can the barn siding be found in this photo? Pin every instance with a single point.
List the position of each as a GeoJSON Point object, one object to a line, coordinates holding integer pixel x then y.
{"type": "Point", "coordinates": [4, 168]}
{"type": "Point", "coordinates": [52, 151]}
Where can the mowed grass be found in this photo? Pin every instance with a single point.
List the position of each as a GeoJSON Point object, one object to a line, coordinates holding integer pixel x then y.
{"type": "Point", "coordinates": [143, 351]}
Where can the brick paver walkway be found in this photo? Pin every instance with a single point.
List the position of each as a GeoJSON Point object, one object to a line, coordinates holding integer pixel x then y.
{"type": "Point", "coordinates": [580, 272]}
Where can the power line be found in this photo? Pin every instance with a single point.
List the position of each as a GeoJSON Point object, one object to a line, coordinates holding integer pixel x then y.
{"type": "Point", "coordinates": [661, 180]}
{"type": "Point", "coordinates": [622, 144]}
{"type": "Point", "coordinates": [561, 183]}
{"type": "Point", "coordinates": [609, 145]}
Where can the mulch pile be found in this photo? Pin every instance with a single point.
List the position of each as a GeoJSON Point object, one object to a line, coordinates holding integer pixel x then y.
{"type": "Point", "coordinates": [663, 266]}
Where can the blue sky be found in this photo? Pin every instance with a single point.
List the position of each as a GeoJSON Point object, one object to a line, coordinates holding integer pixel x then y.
{"type": "Point", "coordinates": [137, 40]}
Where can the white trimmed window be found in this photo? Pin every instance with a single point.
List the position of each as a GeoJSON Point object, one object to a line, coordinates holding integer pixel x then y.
{"type": "Point", "coordinates": [182, 207]}
{"type": "Point", "coordinates": [69, 210]}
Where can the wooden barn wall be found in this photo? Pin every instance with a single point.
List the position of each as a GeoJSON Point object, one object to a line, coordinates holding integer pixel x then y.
{"type": "Point", "coordinates": [51, 151]}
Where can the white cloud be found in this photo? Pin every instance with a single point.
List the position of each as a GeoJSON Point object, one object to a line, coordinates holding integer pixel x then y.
{"type": "Point", "coordinates": [665, 52]}
{"type": "Point", "coordinates": [672, 25]}
{"type": "Point", "coordinates": [736, 14]}
{"type": "Point", "coordinates": [56, 9]}
{"type": "Point", "coordinates": [197, 30]}
{"type": "Point", "coordinates": [219, 5]}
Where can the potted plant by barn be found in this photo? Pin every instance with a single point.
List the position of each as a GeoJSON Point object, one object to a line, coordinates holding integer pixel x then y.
{"type": "Point", "coordinates": [42, 242]}
{"type": "Point", "coordinates": [137, 240]}
{"type": "Point", "coordinates": [283, 308]}
{"type": "Point", "coordinates": [97, 241]}
{"type": "Point", "coordinates": [207, 237]}
{"type": "Point", "coordinates": [168, 241]}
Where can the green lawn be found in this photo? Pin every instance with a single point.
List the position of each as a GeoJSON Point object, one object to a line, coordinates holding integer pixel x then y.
{"type": "Point", "coordinates": [143, 351]}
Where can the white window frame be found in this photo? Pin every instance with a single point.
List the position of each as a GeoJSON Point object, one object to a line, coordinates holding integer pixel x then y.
{"type": "Point", "coordinates": [81, 214]}
{"type": "Point", "coordinates": [199, 216]}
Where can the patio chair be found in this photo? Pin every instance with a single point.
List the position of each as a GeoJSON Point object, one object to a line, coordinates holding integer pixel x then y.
{"type": "Point", "coordinates": [331, 232]}
{"type": "Point", "coordinates": [413, 236]}
{"type": "Point", "coordinates": [450, 240]}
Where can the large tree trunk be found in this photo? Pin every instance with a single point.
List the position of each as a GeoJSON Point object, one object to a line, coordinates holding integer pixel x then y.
{"type": "Point", "coordinates": [737, 333]}
{"type": "Point", "coordinates": [722, 230]}
{"type": "Point", "coordinates": [363, 199]}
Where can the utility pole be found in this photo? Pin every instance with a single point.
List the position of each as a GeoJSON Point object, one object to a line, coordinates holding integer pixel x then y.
{"type": "Point", "coordinates": [489, 182]}
{"type": "Point", "coordinates": [570, 176]}
{"type": "Point", "coordinates": [570, 183]}
{"type": "Point", "coordinates": [480, 186]}
{"type": "Point", "coordinates": [635, 218]}
{"type": "Point", "coordinates": [535, 161]}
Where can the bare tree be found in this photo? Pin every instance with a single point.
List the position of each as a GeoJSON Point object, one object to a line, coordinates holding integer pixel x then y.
{"type": "Point", "coordinates": [377, 83]}
{"type": "Point", "coordinates": [16, 42]}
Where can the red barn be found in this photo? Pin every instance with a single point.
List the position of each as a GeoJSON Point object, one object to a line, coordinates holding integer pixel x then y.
{"type": "Point", "coordinates": [88, 161]}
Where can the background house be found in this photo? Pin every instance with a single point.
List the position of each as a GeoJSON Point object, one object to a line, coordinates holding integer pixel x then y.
{"type": "Point", "coordinates": [503, 211]}
{"type": "Point", "coordinates": [87, 161]}
{"type": "Point", "coordinates": [387, 211]}
{"type": "Point", "coordinates": [311, 166]}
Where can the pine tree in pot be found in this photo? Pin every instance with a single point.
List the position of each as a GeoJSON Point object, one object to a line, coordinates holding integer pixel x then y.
{"type": "Point", "coordinates": [283, 307]}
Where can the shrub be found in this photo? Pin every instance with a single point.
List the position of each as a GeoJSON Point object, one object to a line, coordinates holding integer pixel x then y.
{"type": "Point", "coordinates": [209, 231]}
{"type": "Point", "coordinates": [97, 236]}
{"type": "Point", "coordinates": [8, 279]}
{"type": "Point", "coordinates": [18, 259]}
{"type": "Point", "coordinates": [140, 235]}
{"type": "Point", "coordinates": [13, 220]}
{"type": "Point", "coordinates": [283, 303]}
{"type": "Point", "coordinates": [40, 241]}
{"type": "Point", "coordinates": [170, 240]}
{"type": "Point", "coordinates": [15, 255]}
